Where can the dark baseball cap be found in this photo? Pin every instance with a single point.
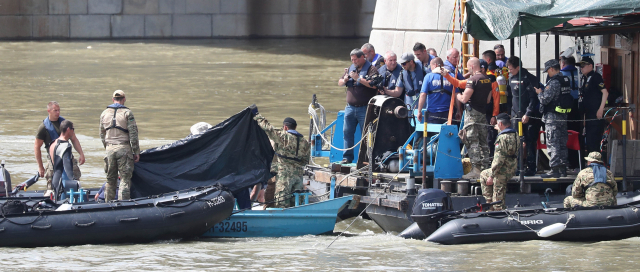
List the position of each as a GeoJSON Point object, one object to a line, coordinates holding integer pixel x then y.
{"type": "Point", "coordinates": [551, 63]}
{"type": "Point", "coordinates": [503, 116]}
{"type": "Point", "coordinates": [585, 61]}
{"type": "Point", "coordinates": [484, 64]}
{"type": "Point", "coordinates": [289, 121]}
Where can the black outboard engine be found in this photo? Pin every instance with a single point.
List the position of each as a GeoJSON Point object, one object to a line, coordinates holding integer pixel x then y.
{"type": "Point", "coordinates": [5, 181]}
{"type": "Point", "coordinates": [429, 207]}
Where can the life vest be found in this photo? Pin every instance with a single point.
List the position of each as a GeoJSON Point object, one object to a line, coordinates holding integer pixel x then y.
{"type": "Point", "coordinates": [409, 89]}
{"type": "Point", "coordinates": [564, 101]}
{"type": "Point", "coordinates": [363, 72]}
{"type": "Point", "coordinates": [390, 77]}
{"type": "Point", "coordinates": [573, 76]}
{"type": "Point", "coordinates": [115, 124]}
{"type": "Point", "coordinates": [62, 167]}
{"type": "Point", "coordinates": [48, 125]}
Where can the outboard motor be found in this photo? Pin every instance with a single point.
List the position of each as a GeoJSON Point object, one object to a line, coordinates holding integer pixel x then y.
{"type": "Point", "coordinates": [429, 207]}
{"type": "Point", "coordinates": [5, 181]}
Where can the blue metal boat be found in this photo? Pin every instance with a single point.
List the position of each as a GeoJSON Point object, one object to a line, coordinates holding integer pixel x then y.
{"type": "Point", "coordinates": [315, 219]}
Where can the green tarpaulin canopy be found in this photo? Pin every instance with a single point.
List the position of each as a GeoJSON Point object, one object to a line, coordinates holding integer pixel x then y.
{"type": "Point", "coordinates": [498, 19]}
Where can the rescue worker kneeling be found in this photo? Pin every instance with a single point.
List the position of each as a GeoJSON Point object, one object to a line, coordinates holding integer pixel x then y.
{"type": "Point", "coordinates": [594, 185]}
{"type": "Point", "coordinates": [504, 165]}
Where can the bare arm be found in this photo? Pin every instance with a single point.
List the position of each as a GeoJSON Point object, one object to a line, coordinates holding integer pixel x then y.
{"type": "Point", "coordinates": [422, 100]}
{"type": "Point", "coordinates": [466, 95]}
{"type": "Point", "coordinates": [38, 153]}
{"type": "Point", "coordinates": [395, 92]}
{"type": "Point", "coordinates": [343, 80]}
{"type": "Point", "coordinates": [605, 94]}
{"type": "Point", "coordinates": [78, 147]}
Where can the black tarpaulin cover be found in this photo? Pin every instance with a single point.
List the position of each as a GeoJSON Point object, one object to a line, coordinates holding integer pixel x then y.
{"type": "Point", "coordinates": [237, 153]}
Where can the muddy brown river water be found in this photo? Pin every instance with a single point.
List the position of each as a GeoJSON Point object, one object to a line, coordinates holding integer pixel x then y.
{"type": "Point", "coordinates": [171, 85]}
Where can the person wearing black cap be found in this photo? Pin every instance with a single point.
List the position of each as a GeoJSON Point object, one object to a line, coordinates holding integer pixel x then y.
{"type": "Point", "coordinates": [494, 180]}
{"type": "Point", "coordinates": [555, 103]}
{"type": "Point", "coordinates": [593, 96]}
{"type": "Point", "coordinates": [411, 78]}
{"type": "Point", "coordinates": [292, 154]}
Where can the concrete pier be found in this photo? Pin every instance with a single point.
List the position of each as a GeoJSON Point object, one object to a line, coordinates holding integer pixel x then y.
{"type": "Point", "coordinates": [114, 19]}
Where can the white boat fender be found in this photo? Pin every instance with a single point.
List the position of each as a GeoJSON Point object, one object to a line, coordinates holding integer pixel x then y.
{"type": "Point", "coordinates": [551, 230]}
{"type": "Point", "coordinates": [64, 207]}
{"type": "Point", "coordinates": [554, 229]}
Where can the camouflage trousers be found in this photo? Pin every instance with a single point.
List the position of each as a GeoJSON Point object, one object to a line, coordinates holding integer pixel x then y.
{"type": "Point", "coordinates": [475, 141]}
{"type": "Point", "coordinates": [556, 134]}
{"type": "Point", "coordinates": [119, 159]}
{"type": "Point", "coordinates": [286, 183]}
{"type": "Point", "coordinates": [570, 202]}
{"type": "Point", "coordinates": [48, 171]}
{"type": "Point", "coordinates": [270, 192]}
{"type": "Point", "coordinates": [495, 192]}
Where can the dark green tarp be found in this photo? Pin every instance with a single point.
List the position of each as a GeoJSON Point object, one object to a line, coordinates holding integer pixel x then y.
{"type": "Point", "coordinates": [498, 19]}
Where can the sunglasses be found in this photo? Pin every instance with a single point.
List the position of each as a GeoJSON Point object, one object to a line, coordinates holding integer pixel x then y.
{"type": "Point", "coordinates": [404, 63]}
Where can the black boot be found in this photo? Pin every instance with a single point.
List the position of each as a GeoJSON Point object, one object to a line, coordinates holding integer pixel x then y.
{"type": "Point", "coordinates": [553, 173]}
{"type": "Point", "coordinates": [563, 171]}
{"type": "Point", "coordinates": [530, 172]}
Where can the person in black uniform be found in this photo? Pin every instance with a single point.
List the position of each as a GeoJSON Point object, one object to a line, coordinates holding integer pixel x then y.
{"type": "Point", "coordinates": [593, 97]}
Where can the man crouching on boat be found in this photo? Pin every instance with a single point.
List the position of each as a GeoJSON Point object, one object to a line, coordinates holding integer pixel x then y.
{"type": "Point", "coordinates": [504, 165]}
{"type": "Point", "coordinates": [594, 185]}
{"type": "Point", "coordinates": [292, 154]}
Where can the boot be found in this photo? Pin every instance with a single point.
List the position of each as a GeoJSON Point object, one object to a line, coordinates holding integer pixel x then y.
{"type": "Point", "coordinates": [474, 174]}
{"type": "Point", "coordinates": [563, 171]}
{"type": "Point", "coordinates": [530, 172]}
{"type": "Point", "coordinates": [553, 173]}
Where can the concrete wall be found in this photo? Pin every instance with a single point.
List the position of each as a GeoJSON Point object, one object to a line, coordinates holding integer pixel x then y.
{"type": "Point", "coordinates": [399, 24]}
{"type": "Point", "coordinates": [105, 19]}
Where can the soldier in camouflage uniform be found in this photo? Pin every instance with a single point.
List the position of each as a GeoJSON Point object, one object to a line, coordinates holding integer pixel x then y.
{"type": "Point", "coordinates": [555, 122]}
{"type": "Point", "coordinates": [504, 165]}
{"type": "Point", "coordinates": [119, 134]}
{"type": "Point", "coordinates": [474, 134]}
{"type": "Point", "coordinates": [292, 154]}
{"type": "Point", "coordinates": [594, 185]}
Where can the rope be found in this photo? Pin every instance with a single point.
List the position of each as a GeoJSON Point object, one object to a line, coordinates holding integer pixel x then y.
{"type": "Point", "coordinates": [365, 208]}
{"type": "Point", "coordinates": [315, 125]}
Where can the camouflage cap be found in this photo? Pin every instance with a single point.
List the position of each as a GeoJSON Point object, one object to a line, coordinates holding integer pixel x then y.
{"type": "Point", "coordinates": [118, 93]}
{"type": "Point", "coordinates": [551, 64]}
{"type": "Point", "coordinates": [594, 157]}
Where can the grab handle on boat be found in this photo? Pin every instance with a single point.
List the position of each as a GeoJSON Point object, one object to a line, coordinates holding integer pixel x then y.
{"type": "Point", "coordinates": [41, 227]}
{"type": "Point", "coordinates": [470, 226]}
{"type": "Point", "coordinates": [132, 219]}
{"type": "Point", "coordinates": [85, 224]}
{"type": "Point", "coordinates": [615, 217]}
{"type": "Point", "coordinates": [176, 214]}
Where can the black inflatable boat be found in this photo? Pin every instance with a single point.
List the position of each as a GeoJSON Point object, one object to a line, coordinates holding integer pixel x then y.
{"type": "Point", "coordinates": [32, 222]}
{"type": "Point", "coordinates": [441, 224]}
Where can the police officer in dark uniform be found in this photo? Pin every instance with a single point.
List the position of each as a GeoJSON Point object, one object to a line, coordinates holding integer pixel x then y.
{"type": "Point", "coordinates": [524, 94]}
{"type": "Point", "coordinates": [593, 97]}
{"type": "Point", "coordinates": [555, 103]}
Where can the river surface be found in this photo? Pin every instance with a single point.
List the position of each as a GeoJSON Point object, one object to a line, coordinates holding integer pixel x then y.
{"type": "Point", "coordinates": [170, 85]}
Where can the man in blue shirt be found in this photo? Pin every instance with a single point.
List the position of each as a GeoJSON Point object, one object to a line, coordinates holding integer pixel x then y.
{"type": "Point", "coordinates": [423, 58]}
{"type": "Point", "coordinates": [391, 73]}
{"type": "Point", "coordinates": [436, 91]}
